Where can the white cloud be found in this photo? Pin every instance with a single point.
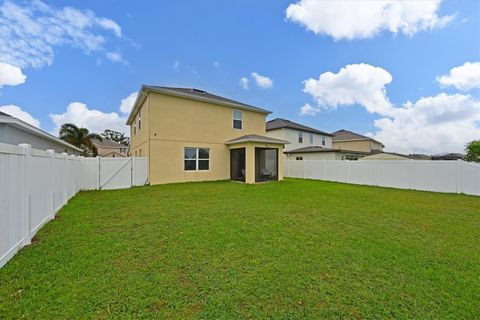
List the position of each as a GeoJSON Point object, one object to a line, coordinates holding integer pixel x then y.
{"type": "Point", "coordinates": [126, 104]}
{"type": "Point", "coordinates": [11, 75]}
{"type": "Point", "coordinates": [464, 77]}
{"type": "Point", "coordinates": [309, 110]}
{"type": "Point", "coordinates": [17, 112]}
{"type": "Point", "coordinates": [361, 19]}
{"type": "Point", "coordinates": [354, 84]}
{"type": "Point", "coordinates": [431, 125]}
{"type": "Point", "coordinates": [216, 64]}
{"type": "Point", "coordinates": [262, 81]}
{"type": "Point", "coordinates": [442, 123]}
{"type": "Point", "coordinates": [176, 65]}
{"type": "Point", "coordinates": [94, 120]}
{"type": "Point", "coordinates": [244, 83]}
{"type": "Point", "coordinates": [115, 57]}
{"type": "Point", "coordinates": [29, 32]}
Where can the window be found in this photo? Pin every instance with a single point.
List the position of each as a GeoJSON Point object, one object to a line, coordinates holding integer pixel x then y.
{"type": "Point", "coordinates": [140, 153]}
{"type": "Point", "coordinates": [134, 128]}
{"type": "Point", "coordinates": [310, 137]}
{"type": "Point", "coordinates": [299, 158]}
{"type": "Point", "coordinates": [113, 155]}
{"type": "Point", "coordinates": [237, 119]}
{"type": "Point", "coordinates": [323, 141]}
{"type": "Point", "coordinates": [139, 120]}
{"type": "Point", "coordinates": [300, 137]}
{"type": "Point", "coordinates": [196, 159]}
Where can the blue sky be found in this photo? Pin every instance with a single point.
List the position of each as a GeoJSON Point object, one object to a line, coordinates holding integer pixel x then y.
{"type": "Point", "coordinates": [387, 61]}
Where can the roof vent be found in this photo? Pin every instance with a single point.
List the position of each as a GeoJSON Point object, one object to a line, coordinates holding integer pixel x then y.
{"type": "Point", "coordinates": [199, 91]}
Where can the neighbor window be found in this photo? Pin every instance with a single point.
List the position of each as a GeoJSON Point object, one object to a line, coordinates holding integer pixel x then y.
{"type": "Point", "coordinates": [323, 141]}
{"type": "Point", "coordinates": [196, 159]}
{"type": "Point", "coordinates": [310, 137]}
{"type": "Point", "coordinates": [300, 137]}
{"type": "Point", "coordinates": [237, 119]}
{"type": "Point", "coordinates": [134, 128]}
{"type": "Point", "coordinates": [299, 158]}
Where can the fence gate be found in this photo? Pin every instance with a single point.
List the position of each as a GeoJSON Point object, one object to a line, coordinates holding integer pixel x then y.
{"type": "Point", "coordinates": [115, 173]}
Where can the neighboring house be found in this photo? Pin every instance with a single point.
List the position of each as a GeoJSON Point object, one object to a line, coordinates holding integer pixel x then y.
{"type": "Point", "coordinates": [448, 156]}
{"type": "Point", "coordinates": [319, 153]}
{"type": "Point", "coordinates": [15, 131]}
{"type": "Point", "coordinates": [348, 140]}
{"type": "Point", "coordinates": [110, 149]}
{"type": "Point", "coordinates": [298, 135]}
{"type": "Point", "coordinates": [192, 135]}
{"type": "Point", "coordinates": [388, 156]}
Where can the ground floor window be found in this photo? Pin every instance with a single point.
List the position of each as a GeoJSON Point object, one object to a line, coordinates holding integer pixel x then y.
{"type": "Point", "coordinates": [196, 159]}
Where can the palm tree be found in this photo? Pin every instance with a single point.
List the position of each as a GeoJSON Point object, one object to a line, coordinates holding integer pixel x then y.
{"type": "Point", "coordinates": [79, 137]}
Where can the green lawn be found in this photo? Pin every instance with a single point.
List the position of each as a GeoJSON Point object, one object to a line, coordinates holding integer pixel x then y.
{"type": "Point", "coordinates": [223, 250]}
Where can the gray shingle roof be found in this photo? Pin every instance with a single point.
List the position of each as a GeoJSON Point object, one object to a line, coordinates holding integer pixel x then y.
{"type": "Point", "coordinates": [204, 95]}
{"type": "Point", "coordinates": [279, 123]}
{"type": "Point", "coordinates": [345, 135]}
{"type": "Point", "coordinates": [256, 138]}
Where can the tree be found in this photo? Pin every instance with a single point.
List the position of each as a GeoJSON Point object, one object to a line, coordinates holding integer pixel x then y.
{"type": "Point", "coordinates": [116, 136]}
{"type": "Point", "coordinates": [473, 151]}
{"type": "Point", "coordinates": [79, 137]}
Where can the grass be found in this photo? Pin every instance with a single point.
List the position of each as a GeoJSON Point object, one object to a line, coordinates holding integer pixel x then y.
{"type": "Point", "coordinates": [224, 250]}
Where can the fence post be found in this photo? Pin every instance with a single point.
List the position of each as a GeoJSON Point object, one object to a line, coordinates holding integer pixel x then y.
{"type": "Point", "coordinates": [324, 173]}
{"type": "Point", "coordinates": [411, 174]}
{"type": "Point", "coordinates": [98, 172]}
{"type": "Point", "coordinates": [132, 175]}
{"type": "Point", "coordinates": [459, 176]}
{"type": "Point", "coordinates": [51, 153]}
{"type": "Point", "coordinates": [27, 200]}
{"type": "Point", "coordinates": [304, 162]}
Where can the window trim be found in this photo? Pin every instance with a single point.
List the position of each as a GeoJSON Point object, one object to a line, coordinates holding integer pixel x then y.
{"type": "Point", "coordinates": [324, 141]}
{"type": "Point", "coordinates": [235, 119]}
{"type": "Point", "coordinates": [300, 137]}
{"type": "Point", "coordinates": [310, 138]}
{"type": "Point", "coordinates": [197, 159]}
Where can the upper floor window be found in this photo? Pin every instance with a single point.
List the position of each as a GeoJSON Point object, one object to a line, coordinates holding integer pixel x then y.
{"type": "Point", "coordinates": [196, 159]}
{"type": "Point", "coordinates": [134, 128]}
{"type": "Point", "coordinates": [300, 137]}
{"type": "Point", "coordinates": [237, 119]}
{"type": "Point", "coordinates": [310, 137]}
{"type": "Point", "coordinates": [323, 141]}
{"type": "Point", "coordinates": [139, 120]}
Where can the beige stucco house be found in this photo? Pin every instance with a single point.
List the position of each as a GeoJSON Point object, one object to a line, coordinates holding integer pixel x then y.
{"type": "Point", "coordinates": [192, 135]}
{"type": "Point", "coordinates": [110, 149]}
{"type": "Point", "coordinates": [348, 140]}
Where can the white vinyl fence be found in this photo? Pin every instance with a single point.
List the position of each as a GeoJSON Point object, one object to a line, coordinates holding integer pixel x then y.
{"type": "Point", "coordinates": [438, 176]}
{"type": "Point", "coordinates": [35, 184]}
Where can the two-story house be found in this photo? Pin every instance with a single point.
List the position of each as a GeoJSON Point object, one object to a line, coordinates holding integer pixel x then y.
{"type": "Point", "coordinates": [344, 139]}
{"type": "Point", "coordinates": [297, 134]}
{"type": "Point", "coordinates": [192, 135]}
{"type": "Point", "coordinates": [110, 149]}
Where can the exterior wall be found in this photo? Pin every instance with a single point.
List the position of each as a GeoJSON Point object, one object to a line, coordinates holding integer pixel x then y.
{"type": "Point", "coordinates": [291, 136]}
{"type": "Point", "coordinates": [170, 123]}
{"type": "Point", "coordinates": [15, 136]}
{"type": "Point", "coordinates": [358, 145]}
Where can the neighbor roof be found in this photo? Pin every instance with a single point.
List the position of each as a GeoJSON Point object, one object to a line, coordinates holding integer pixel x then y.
{"type": "Point", "coordinates": [191, 93]}
{"type": "Point", "coordinates": [345, 135]}
{"type": "Point", "coordinates": [279, 123]}
{"type": "Point", "coordinates": [255, 138]}
{"type": "Point", "coordinates": [107, 143]}
{"type": "Point", "coordinates": [317, 149]}
{"type": "Point", "coordinates": [15, 122]}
